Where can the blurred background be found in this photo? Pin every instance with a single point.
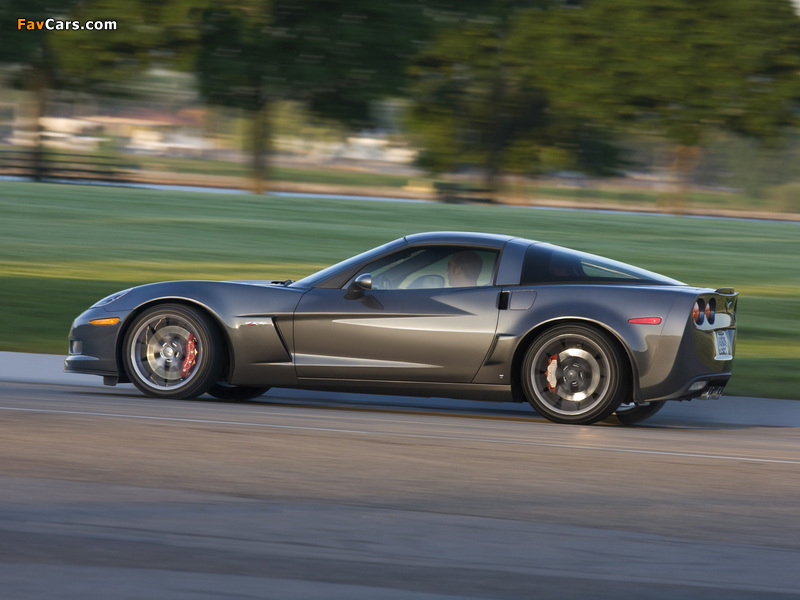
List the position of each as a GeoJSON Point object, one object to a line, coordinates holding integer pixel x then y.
{"type": "Point", "coordinates": [671, 107]}
{"type": "Point", "coordinates": [666, 102]}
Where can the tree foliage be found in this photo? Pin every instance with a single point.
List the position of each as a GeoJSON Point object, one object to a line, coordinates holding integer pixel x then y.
{"type": "Point", "coordinates": [679, 67]}
{"type": "Point", "coordinates": [335, 57]}
{"type": "Point", "coordinates": [148, 33]}
{"type": "Point", "coordinates": [32, 54]}
{"type": "Point", "coordinates": [22, 46]}
{"type": "Point", "coordinates": [537, 84]}
{"type": "Point", "coordinates": [481, 101]}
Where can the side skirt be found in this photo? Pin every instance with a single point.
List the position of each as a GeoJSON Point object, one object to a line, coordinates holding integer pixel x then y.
{"type": "Point", "coordinates": [461, 391]}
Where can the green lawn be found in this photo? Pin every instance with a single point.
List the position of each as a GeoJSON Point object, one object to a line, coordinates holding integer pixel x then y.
{"type": "Point", "coordinates": [64, 246]}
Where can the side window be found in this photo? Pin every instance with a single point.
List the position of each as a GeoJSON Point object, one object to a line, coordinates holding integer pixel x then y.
{"type": "Point", "coordinates": [433, 267]}
{"type": "Point", "coordinates": [550, 264]}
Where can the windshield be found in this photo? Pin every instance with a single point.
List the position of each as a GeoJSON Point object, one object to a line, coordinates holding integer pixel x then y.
{"type": "Point", "coordinates": [330, 276]}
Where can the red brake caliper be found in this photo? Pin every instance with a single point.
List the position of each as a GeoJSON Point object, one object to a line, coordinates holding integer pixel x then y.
{"type": "Point", "coordinates": [552, 380]}
{"type": "Point", "coordinates": [191, 356]}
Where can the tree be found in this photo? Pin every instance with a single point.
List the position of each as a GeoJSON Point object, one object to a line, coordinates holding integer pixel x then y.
{"type": "Point", "coordinates": [481, 102]}
{"type": "Point", "coordinates": [148, 33]}
{"type": "Point", "coordinates": [335, 57]}
{"type": "Point", "coordinates": [30, 51]}
{"type": "Point", "coordinates": [680, 68]}
{"type": "Point", "coordinates": [50, 55]}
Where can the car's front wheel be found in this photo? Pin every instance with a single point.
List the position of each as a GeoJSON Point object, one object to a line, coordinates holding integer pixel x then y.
{"type": "Point", "coordinates": [574, 374]}
{"type": "Point", "coordinates": [173, 351]}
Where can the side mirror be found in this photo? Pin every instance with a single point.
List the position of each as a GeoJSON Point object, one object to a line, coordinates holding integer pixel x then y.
{"type": "Point", "coordinates": [364, 281]}
{"type": "Point", "coordinates": [360, 284]}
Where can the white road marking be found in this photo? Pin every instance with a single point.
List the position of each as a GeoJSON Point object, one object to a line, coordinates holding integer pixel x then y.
{"type": "Point", "coordinates": [413, 436]}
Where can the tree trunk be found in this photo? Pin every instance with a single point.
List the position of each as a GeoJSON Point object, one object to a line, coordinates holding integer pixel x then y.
{"type": "Point", "coordinates": [259, 148]}
{"type": "Point", "coordinates": [495, 139]}
{"type": "Point", "coordinates": [40, 90]}
{"type": "Point", "coordinates": [496, 123]}
{"type": "Point", "coordinates": [684, 163]}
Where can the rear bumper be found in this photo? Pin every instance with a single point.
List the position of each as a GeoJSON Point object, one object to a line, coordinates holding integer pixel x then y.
{"type": "Point", "coordinates": [695, 354]}
{"type": "Point", "coordinates": [703, 387]}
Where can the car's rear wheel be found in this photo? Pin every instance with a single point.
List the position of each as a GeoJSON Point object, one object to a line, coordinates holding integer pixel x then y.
{"type": "Point", "coordinates": [173, 351]}
{"type": "Point", "coordinates": [226, 391]}
{"type": "Point", "coordinates": [574, 374]}
{"type": "Point", "coordinates": [630, 414]}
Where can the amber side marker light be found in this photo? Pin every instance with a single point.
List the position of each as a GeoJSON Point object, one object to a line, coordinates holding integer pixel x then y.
{"type": "Point", "coordinates": [109, 321]}
{"type": "Point", "coordinates": [646, 321]}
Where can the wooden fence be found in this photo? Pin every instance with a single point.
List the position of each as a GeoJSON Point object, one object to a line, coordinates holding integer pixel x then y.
{"type": "Point", "coordinates": [59, 166]}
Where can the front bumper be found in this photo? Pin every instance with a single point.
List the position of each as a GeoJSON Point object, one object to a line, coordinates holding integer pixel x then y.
{"type": "Point", "coordinates": [93, 348]}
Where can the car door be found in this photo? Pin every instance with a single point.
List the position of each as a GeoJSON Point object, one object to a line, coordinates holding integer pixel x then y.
{"type": "Point", "coordinates": [399, 331]}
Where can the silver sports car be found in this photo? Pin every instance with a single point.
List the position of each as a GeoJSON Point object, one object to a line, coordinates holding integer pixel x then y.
{"type": "Point", "coordinates": [460, 315]}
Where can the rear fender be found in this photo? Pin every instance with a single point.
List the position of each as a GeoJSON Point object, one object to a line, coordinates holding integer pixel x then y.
{"type": "Point", "coordinates": [608, 309]}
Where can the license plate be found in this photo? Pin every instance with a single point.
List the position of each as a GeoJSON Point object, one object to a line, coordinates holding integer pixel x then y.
{"type": "Point", "coordinates": [722, 344]}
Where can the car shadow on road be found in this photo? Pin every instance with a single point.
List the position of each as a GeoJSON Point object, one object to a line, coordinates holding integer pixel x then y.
{"type": "Point", "coordinates": [677, 418]}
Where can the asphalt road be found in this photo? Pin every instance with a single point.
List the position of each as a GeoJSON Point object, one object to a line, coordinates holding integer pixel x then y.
{"type": "Point", "coordinates": [107, 494]}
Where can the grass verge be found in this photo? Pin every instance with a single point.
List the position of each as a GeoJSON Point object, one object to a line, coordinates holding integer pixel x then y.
{"type": "Point", "coordinates": [64, 246]}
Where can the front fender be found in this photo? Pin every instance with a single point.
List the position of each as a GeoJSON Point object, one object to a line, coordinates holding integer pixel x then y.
{"type": "Point", "coordinates": [255, 319]}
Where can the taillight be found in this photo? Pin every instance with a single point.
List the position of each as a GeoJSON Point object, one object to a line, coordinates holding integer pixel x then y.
{"type": "Point", "coordinates": [711, 311]}
{"type": "Point", "coordinates": [699, 311]}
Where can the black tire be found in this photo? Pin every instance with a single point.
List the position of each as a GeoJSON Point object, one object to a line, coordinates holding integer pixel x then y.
{"type": "Point", "coordinates": [226, 391]}
{"type": "Point", "coordinates": [631, 414]}
{"type": "Point", "coordinates": [574, 374]}
{"type": "Point", "coordinates": [173, 351]}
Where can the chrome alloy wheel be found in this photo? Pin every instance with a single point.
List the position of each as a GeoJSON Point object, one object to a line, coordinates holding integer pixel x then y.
{"type": "Point", "coordinates": [165, 352]}
{"type": "Point", "coordinates": [572, 374]}
{"type": "Point", "coordinates": [173, 351]}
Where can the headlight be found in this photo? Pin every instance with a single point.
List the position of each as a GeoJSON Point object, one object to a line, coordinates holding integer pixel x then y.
{"type": "Point", "coordinates": [111, 298]}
